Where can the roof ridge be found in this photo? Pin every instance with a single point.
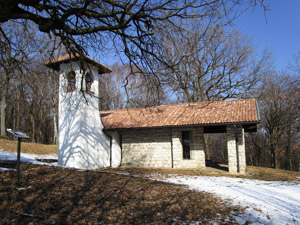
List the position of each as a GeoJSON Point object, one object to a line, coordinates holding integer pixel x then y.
{"type": "Point", "coordinates": [177, 104]}
{"type": "Point", "coordinates": [203, 113]}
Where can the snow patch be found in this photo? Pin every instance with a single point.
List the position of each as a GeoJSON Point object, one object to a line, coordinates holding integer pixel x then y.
{"type": "Point", "coordinates": [7, 169]}
{"type": "Point", "coordinates": [266, 202]}
{"type": "Point", "coordinates": [25, 157]}
{"type": "Point", "coordinates": [23, 188]}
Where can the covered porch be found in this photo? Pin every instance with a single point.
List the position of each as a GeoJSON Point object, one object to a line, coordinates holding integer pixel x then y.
{"type": "Point", "coordinates": [235, 145]}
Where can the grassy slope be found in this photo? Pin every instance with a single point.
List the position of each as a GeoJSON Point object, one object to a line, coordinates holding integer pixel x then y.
{"type": "Point", "coordinates": [33, 148]}
{"type": "Point", "coordinates": [258, 173]}
{"type": "Point", "coordinates": [54, 195]}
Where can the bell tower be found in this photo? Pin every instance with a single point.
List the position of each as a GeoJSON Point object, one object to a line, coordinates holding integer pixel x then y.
{"type": "Point", "coordinates": [81, 141]}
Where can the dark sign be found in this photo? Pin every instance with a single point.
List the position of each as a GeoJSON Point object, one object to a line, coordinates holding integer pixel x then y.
{"type": "Point", "coordinates": [20, 136]}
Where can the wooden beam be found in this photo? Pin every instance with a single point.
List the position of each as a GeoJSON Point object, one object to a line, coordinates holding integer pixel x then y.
{"type": "Point", "coordinates": [214, 129]}
{"type": "Point", "coordinates": [250, 128]}
{"type": "Point", "coordinates": [222, 129]}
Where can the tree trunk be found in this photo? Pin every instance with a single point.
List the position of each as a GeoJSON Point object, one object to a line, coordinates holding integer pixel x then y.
{"type": "Point", "coordinates": [33, 139]}
{"type": "Point", "coordinates": [3, 114]}
{"type": "Point", "coordinates": [298, 161]}
{"type": "Point", "coordinates": [18, 111]}
{"type": "Point", "coordinates": [55, 132]}
{"type": "Point", "coordinates": [274, 156]}
{"type": "Point", "coordinates": [3, 106]}
{"type": "Point", "coordinates": [33, 121]}
{"type": "Point", "coordinates": [276, 160]}
{"type": "Point", "coordinates": [288, 150]}
{"type": "Point", "coordinates": [291, 164]}
{"type": "Point", "coordinates": [41, 120]}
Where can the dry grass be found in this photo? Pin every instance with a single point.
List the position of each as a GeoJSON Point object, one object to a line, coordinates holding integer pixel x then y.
{"type": "Point", "coordinates": [269, 174]}
{"type": "Point", "coordinates": [53, 195]}
{"type": "Point", "coordinates": [258, 173]}
{"type": "Point", "coordinates": [26, 147]}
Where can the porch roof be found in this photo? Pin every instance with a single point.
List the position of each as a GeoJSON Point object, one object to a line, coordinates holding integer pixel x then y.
{"type": "Point", "coordinates": [243, 111]}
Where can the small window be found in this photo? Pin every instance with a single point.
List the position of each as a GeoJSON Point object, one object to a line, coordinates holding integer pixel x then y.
{"type": "Point", "coordinates": [88, 81]}
{"type": "Point", "coordinates": [71, 81]}
{"type": "Point", "coordinates": [186, 144]}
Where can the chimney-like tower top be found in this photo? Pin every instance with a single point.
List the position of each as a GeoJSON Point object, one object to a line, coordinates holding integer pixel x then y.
{"type": "Point", "coordinates": [54, 64]}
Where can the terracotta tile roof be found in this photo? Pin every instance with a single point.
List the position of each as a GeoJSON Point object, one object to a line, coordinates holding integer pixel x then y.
{"type": "Point", "coordinates": [200, 113]}
{"type": "Point", "coordinates": [65, 58]}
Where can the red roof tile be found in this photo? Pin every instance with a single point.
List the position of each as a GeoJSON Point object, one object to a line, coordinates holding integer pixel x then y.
{"type": "Point", "coordinates": [65, 58]}
{"type": "Point", "coordinates": [186, 114]}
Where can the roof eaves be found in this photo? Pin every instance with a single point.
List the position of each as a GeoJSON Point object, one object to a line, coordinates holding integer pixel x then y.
{"type": "Point", "coordinates": [185, 125]}
{"type": "Point", "coordinates": [54, 64]}
{"type": "Point", "coordinates": [258, 112]}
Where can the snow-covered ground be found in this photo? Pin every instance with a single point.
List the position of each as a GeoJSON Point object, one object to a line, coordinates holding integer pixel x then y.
{"type": "Point", "coordinates": [25, 157]}
{"type": "Point", "coordinates": [265, 202]}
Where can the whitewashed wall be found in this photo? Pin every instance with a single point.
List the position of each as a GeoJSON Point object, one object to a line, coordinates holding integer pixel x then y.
{"type": "Point", "coordinates": [115, 148]}
{"type": "Point", "coordinates": [81, 144]}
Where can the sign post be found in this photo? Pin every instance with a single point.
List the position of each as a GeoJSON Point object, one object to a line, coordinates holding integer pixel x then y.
{"type": "Point", "coordinates": [20, 136]}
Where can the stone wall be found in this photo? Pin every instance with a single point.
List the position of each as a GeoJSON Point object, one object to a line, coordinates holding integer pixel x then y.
{"type": "Point", "coordinates": [241, 150]}
{"type": "Point", "coordinates": [236, 149]}
{"type": "Point", "coordinates": [156, 147]}
{"type": "Point", "coordinates": [197, 148]}
{"type": "Point", "coordinates": [146, 148]}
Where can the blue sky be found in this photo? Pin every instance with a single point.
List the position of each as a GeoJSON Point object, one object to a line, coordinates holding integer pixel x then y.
{"type": "Point", "coordinates": [278, 32]}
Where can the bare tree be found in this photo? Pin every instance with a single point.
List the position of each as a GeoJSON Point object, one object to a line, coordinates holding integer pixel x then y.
{"type": "Point", "coordinates": [32, 103]}
{"type": "Point", "coordinates": [17, 48]}
{"type": "Point", "coordinates": [111, 91]}
{"type": "Point", "coordinates": [144, 90]}
{"type": "Point", "coordinates": [126, 26]}
{"type": "Point", "coordinates": [124, 89]}
{"type": "Point", "coordinates": [211, 63]}
{"type": "Point", "coordinates": [54, 83]}
{"type": "Point", "coordinates": [280, 106]}
{"type": "Point", "coordinates": [27, 91]}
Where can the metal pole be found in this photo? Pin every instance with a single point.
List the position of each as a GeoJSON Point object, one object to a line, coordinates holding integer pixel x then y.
{"type": "Point", "coordinates": [18, 162]}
